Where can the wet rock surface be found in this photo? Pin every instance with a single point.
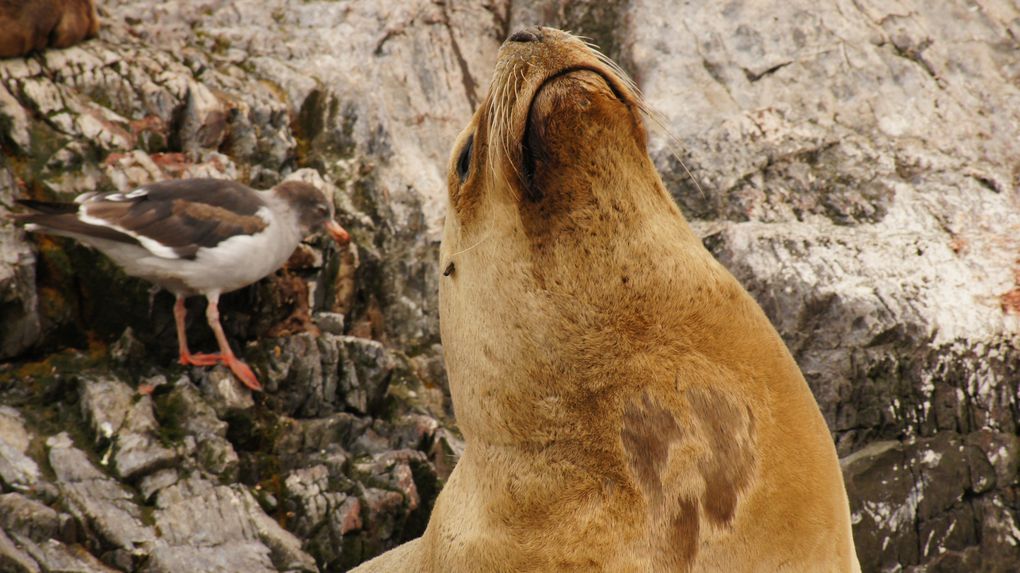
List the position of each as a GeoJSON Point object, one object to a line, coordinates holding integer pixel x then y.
{"type": "Point", "coordinates": [855, 168]}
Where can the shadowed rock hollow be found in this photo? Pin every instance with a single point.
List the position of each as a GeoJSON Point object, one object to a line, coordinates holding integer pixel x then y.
{"type": "Point", "coordinates": [858, 173]}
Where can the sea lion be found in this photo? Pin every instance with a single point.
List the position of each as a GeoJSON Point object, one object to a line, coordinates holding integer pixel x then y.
{"type": "Point", "coordinates": [29, 25]}
{"type": "Point", "coordinates": [626, 405]}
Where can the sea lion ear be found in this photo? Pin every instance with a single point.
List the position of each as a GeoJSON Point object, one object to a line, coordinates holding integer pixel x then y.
{"type": "Point", "coordinates": [464, 159]}
{"type": "Point", "coordinates": [462, 171]}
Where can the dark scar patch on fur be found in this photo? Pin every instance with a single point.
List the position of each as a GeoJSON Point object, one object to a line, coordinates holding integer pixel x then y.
{"type": "Point", "coordinates": [728, 469]}
{"type": "Point", "coordinates": [648, 430]}
{"type": "Point", "coordinates": [684, 530]}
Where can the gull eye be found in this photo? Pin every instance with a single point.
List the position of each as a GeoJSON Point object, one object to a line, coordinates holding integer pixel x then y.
{"type": "Point", "coordinates": [464, 161]}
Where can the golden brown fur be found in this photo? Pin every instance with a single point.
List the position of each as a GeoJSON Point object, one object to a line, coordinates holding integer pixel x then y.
{"type": "Point", "coordinates": [30, 25]}
{"type": "Point", "coordinates": [626, 404]}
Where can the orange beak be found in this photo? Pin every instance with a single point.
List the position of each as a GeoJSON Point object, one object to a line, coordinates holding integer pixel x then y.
{"type": "Point", "coordinates": [339, 234]}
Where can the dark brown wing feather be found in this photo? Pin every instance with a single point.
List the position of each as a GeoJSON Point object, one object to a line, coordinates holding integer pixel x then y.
{"type": "Point", "coordinates": [63, 218]}
{"type": "Point", "coordinates": [184, 215]}
{"type": "Point", "coordinates": [50, 207]}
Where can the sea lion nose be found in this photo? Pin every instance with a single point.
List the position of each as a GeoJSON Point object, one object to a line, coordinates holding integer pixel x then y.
{"type": "Point", "coordinates": [527, 35]}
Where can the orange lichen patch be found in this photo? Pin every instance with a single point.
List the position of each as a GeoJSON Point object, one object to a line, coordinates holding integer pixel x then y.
{"type": "Point", "coordinates": [38, 369]}
{"type": "Point", "coordinates": [372, 324]}
{"type": "Point", "coordinates": [1011, 300]}
{"type": "Point", "coordinates": [291, 291]}
{"type": "Point", "coordinates": [148, 123]}
{"type": "Point", "coordinates": [172, 163]}
{"type": "Point", "coordinates": [51, 302]}
{"type": "Point", "coordinates": [344, 285]}
{"type": "Point", "coordinates": [302, 258]}
{"type": "Point", "coordinates": [958, 244]}
{"type": "Point", "coordinates": [96, 347]}
{"type": "Point", "coordinates": [114, 158]}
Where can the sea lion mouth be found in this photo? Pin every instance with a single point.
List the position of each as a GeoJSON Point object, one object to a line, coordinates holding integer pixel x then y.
{"type": "Point", "coordinates": [528, 151]}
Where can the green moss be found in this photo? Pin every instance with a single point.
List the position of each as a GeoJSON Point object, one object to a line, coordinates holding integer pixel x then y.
{"type": "Point", "coordinates": [255, 435]}
{"type": "Point", "coordinates": [103, 98]}
{"type": "Point", "coordinates": [6, 140]}
{"type": "Point", "coordinates": [45, 392]}
{"type": "Point", "coordinates": [171, 413]}
{"type": "Point", "coordinates": [428, 486]}
{"type": "Point", "coordinates": [44, 142]}
{"type": "Point", "coordinates": [220, 45]}
{"type": "Point", "coordinates": [356, 548]}
{"type": "Point", "coordinates": [325, 132]}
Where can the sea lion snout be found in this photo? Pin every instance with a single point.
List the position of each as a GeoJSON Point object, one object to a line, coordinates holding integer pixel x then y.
{"type": "Point", "coordinates": [533, 34]}
{"type": "Point", "coordinates": [558, 114]}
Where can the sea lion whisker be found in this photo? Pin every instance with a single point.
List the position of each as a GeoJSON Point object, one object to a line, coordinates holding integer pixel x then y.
{"type": "Point", "coordinates": [480, 241]}
{"type": "Point", "coordinates": [499, 121]}
{"type": "Point", "coordinates": [673, 143]}
{"type": "Point", "coordinates": [621, 74]}
{"type": "Point", "coordinates": [505, 122]}
{"type": "Point", "coordinates": [488, 235]}
{"type": "Point", "coordinates": [497, 111]}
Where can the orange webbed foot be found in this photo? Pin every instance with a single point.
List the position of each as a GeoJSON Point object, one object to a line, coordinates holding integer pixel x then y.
{"type": "Point", "coordinates": [200, 359]}
{"type": "Point", "coordinates": [243, 373]}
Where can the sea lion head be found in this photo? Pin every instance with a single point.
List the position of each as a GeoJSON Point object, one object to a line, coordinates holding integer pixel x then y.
{"type": "Point", "coordinates": [554, 209]}
{"type": "Point", "coordinates": [552, 97]}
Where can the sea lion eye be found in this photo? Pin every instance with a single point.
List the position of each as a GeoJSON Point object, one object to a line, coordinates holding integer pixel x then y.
{"type": "Point", "coordinates": [464, 161]}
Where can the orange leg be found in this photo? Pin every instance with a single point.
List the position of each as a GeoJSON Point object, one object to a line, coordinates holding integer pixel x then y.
{"type": "Point", "coordinates": [186, 357]}
{"type": "Point", "coordinates": [226, 355]}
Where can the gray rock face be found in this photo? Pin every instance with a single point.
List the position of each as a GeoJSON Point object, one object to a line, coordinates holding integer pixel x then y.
{"type": "Point", "coordinates": [35, 520]}
{"type": "Point", "coordinates": [17, 470]}
{"type": "Point", "coordinates": [19, 303]}
{"type": "Point", "coordinates": [195, 514]}
{"type": "Point", "coordinates": [852, 163]}
{"type": "Point", "coordinates": [101, 505]}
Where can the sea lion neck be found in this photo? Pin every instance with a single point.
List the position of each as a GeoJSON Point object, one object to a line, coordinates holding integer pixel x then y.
{"type": "Point", "coordinates": [551, 195]}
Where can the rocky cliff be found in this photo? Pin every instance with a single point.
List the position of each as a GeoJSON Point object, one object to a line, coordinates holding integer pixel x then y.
{"type": "Point", "coordinates": [857, 166]}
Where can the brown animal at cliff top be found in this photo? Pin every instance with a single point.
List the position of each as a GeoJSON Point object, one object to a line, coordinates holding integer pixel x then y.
{"type": "Point", "coordinates": [30, 25]}
{"type": "Point", "coordinates": [626, 404]}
